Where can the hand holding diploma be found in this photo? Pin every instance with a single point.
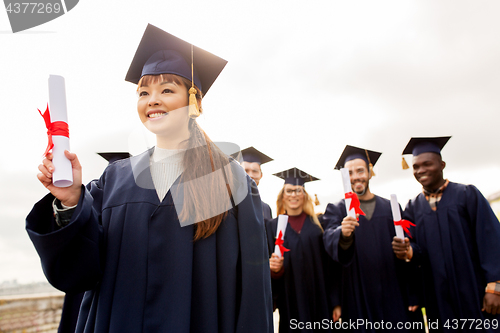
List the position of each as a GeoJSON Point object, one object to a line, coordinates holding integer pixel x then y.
{"type": "Point", "coordinates": [56, 121]}
{"type": "Point", "coordinates": [275, 263]}
{"type": "Point", "coordinates": [402, 248]}
{"type": "Point", "coordinates": [69, 196]}
{"type": "Point", "coordinates": [400, 244]}
{"type": "Point", "coordinates": [350, 222]}
{"type": "Point", "coordinates": [60, 170]}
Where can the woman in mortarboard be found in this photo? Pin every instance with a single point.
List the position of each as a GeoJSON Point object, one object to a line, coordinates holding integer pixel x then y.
{"type": "Point", "coordinates": [171, 240]}
{"type": "Point", "coordinates": [303, 276]}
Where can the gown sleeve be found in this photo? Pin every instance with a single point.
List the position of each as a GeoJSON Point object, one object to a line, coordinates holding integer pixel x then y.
{"type": "Point", "coordinates": [255, 313]}
{"type": "Point", "coordinates": [70, 255]}
{"type": "Point", "coordinates": [332, 219]}
{"type": "Point", "coordinates": [487, 230]}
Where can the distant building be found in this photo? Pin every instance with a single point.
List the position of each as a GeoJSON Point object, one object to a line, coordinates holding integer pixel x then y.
{"type": "Point", "coordinates": [34, 307]}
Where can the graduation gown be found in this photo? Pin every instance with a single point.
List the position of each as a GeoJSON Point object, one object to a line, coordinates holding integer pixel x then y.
{"type": "Point", "coordinates": [267, 212]}
{"type": "Point", "coordinates": [141, 270]}
{"type": "Point", "coordinates": [306, 291]}
{"type": "Point", "coordinates": [374, 281]}
{"type": "Point", "coordinates": [458, 247]}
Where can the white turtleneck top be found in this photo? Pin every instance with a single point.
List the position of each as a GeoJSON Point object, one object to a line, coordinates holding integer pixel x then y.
{"type": "Point", "coordinates": [166, 166]}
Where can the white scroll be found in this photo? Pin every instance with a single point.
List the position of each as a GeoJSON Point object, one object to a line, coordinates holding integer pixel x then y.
{"type": "Point", "coordinates": [396, 216]}
{"type": "Point", "coordinates": [282, 223]}
{"type": "Point", "coordinates": [346, 180]}
{"type": "Point", "coordinates": [63, 173]}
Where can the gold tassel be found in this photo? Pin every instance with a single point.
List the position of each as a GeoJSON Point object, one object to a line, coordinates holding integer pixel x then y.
{"type": "Point", "coordinates": [404, 164]}
{"type": "Point", "coordinates": [371, 170]}
{"type": "Point", "coordinates": [370, 165]}
{"type": "Point", "coordinates": [194, 112]}
{"type": "Point", "coordinates": [316, 201]}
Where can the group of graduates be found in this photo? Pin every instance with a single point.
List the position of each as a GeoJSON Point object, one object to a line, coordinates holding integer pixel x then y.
{"type": "Point", "coordinates": [358, 271]}
{"type": "Point", "coordinates": [176, 239]}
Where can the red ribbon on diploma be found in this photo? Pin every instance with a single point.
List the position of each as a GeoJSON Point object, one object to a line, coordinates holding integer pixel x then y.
{"type": "Point", "coordinates": [406, 225]}
{"type": "Point", "coordinates": [354, 203]}
{"type": "Point", "coordinates": [56, 128]}
{"type": "Point", "coordinates": [279, 242]}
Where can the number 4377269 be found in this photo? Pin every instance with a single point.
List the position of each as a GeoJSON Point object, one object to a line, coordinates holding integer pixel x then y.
{"type": "Point", "coordinates": [33, 8]}
{"type": "Point", "coordinates": [478, 324]}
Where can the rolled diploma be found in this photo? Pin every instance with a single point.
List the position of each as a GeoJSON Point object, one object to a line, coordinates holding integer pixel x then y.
{"type": "Point", "coordinates": [346, 180]}
{"type": "Point", "coordinates": [282, 223]}
{"type": "Point", "coordinates": [63, 173]}
{"type": "Point", "coordinates": [396, 216]}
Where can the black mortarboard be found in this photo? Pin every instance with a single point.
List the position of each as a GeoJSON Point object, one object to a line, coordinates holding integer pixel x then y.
{"type": "Point", "coordinates": [295, 176]}
{"type": "Point", "coordinates": [162, 53]}
{"type": "Point", "coordinates": [351, 153]}
{"type": "Point", "coordinates": [252, 155]}
{"type": "Point", "coordinates": [113, 157]}
{"type": "Point", "coordinates": [417, 146]}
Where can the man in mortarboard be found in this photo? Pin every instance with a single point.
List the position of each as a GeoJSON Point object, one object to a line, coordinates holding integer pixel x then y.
{"type": "Point", "coordinates": [252, 161]}
{"type": "Point", "coordinates": [374, 285]}
{"type": "Point", "coordinates": [456, 242]}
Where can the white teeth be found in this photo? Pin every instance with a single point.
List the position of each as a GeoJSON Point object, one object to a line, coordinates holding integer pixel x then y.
{"type": "Point", "coordinates": [156, 114]}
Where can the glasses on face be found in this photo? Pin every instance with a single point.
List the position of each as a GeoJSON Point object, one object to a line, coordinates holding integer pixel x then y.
{"type": "Point", "coordinates": [297, 191]}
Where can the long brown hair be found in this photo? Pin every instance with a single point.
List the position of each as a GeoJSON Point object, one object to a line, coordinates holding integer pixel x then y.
{"type": "Point", "coordinates": [202, 158]}
{"type": "Point", "coordinates": [307, 206]}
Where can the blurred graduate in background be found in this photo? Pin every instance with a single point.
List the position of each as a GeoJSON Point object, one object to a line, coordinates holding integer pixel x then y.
{"type": "Point", "coordinates": [456, 241]}
{"type": "Point", "coordinates": [304, 277]}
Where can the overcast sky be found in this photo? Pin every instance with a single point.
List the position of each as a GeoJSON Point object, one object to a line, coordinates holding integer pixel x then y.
{"type": "Point", "coordinates": [303, 80]}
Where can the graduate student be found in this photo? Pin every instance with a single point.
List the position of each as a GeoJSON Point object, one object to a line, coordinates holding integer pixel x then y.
{"type": "Point", "coordinates": [171, 240]}
{"type": "Point", "coordinates": [456, 240]}
{"type": "Point", "coordinates": [374, 282]}
{"type": "Point", "coordinates": [302, 278]}
{"type": "Point", "coordinates": [252, 161]}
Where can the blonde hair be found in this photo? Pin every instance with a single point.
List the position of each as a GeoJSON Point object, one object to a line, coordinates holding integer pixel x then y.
{"type": "Point", "coordinates": [307, 207]}
{"type": "Point", "coordinates": [202, 157]}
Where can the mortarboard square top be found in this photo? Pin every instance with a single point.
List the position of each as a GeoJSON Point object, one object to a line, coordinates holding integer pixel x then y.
{"type": "Point", "coordinates": [114, 156]}
{"type": "Point", "coordinates": [162, 53]}
{"type": "Point", "coordinates": [295, 176]}
{"type": "Point", "coordinates": [417, 146]}
{"type": "Point", "coordinates": [351, 153]}
{"type": "Point", "coordinates": [252, 155]}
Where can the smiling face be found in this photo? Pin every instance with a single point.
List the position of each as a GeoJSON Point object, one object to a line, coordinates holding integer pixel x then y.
{"type": "Point", "coordinates": [162, 108]}
{"type": "Point", "coordinates": [253, 170]}
{"type": "Point", "coordinates": [428, 170]}
{"type": "Point", "coordinates": [293, 198]}
{"type": "Point", "coordinates": [359, 175]}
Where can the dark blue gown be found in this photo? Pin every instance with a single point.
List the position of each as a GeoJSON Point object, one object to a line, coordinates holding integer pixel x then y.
{"type": "Point", "coordinates": [306, 292]}
{"type": "Point", "coordinates": [141, 270]}
{"type": "Point", "coordinates": [374, 281]}
{"type": "Point", "coordinates": [267, 212]}
{"type": "Point", "coordinates": [458, 247]}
